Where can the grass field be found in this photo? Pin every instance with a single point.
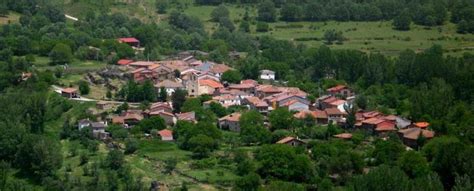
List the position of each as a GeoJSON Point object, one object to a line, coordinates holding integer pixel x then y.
{"type": "Point", "coordinates": [364, 36]}
{"type": "Point", "coordinates": [10, 18]}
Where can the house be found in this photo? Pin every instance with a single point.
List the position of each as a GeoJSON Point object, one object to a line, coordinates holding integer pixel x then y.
{"type": "Point", "coordinates": [131, 119]}
{"type": "Point", "coordinates": [161, 106]}
{"type": "Point", "coordinates": [247, 88]}
{"type": "Point", "coordinates": [130, 41]}
{"type": "Point", "coordinates": [344, 136]}
{"type": "Point", "coordinates": [208, 86]}
{"type": "Point", "coordinates": [188, 116]}
{"type": "Point", "coordinates": [290, 100]}
{"type": "Point", "coordinates": [219, 69]}
{"type": "Point", "coordinates": [335, 115]}
{"type": "Point", "coordinates": [421, 125]}
{"type": "Point", "coordinates": [410, 136]}
{"type": "Point", "coordinates": [230, 122]}
{"type": "Point", "coordinates": [319, 116]}
{"type": "Point", "coordinates": [128, 118]}
{"type": "Point", "coordinates": [341, 90]}
{"type": "Point", "coordinates": [83, 123]}
{"type": "Point", "coordinates": [169, 85]}
{"type": "Point", "coordinates": [385, 127]}
{"type": "Point", "coordinates": [339, 104]}
{"type": "Point", "coordinates": [124, 62]}
{"type": "Point", "coordinates": [69, 93]}
{"type": "Point", "coordinates": [296, 105]}
{"type": "Point", "coordinates": [256, 104]}
{"type": "Point", "coordinates": [141, 74]}
{"type": "Point", "coordinates": [267, 75]}
{"type": "Point", "coordinates": [227, 100]}
{"type": "Point", "coordinates": [292, 141]}
{"type": "Point", "coordinates": [249, 81]}
{"type": "Point", "coordinates": [169, 118]}
{"type": "Point", "coordinates": [192, 82]}
{"type": "Point", "coordinates": [26, 75]}
{"type": "Point", "coordinates": [141, 64]}
{"type": "Point", "coordinates": [166, 135]}
{"type": "Point", "coordinates": [98, 126]}
{"type": "Point", "coordinates": [103, 105]}
{"type": "Point", "coordinates": [163, 72]}
{"type": "Point", "coordinates": [262, 91]}
{"type": "Point", "coordinates": [370, 124]}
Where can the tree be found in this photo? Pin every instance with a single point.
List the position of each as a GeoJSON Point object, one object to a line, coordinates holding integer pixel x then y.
{"type": "Point", "coordinates": [201, 145]}
{"type": "Point", "coordinates": [163, 94]}
{"type": "Point", "coordinates": [155, 122]}
{"type": "Point", "coordinates": [267, 11]}
{"type": "Point", "coordinates": [283, 186]}
{"type": "Point", "coordinates": [131, 145]}
{"type": "Point", "coordinates": [226, 23]}
{"type": "Point", "coordinates": [4, 174]}
{"type": "Point", "coordinates": [115, 159]}
{"type": "Point", "coordinates": [60, 54]}
{"type": "Point", "coordinates": [244, 26]}
{"type": "Point", "coordinates": [218, 109]}
{"type": "Point", "coordinates": [413, 164]}
{"type": "Point", "coordinates": [249, 182]}
{"type": "Point", "coordinates": [382, 178]}
{"type": "Point", "coordinates": [245, 167]}
{"type": "Point", "coordinates": [387, 152]}
{"type": "Point", "coordinates": [170, 164]}
{"type": "Point", "coordinates": [178, 98]}
{"type": "Point", "coordinates": [351, 111]}
{"type": "Point", "coordinates": [38, 156]}
{"type": "Point", "coordinates": [262, 27]}
{"type": "Point", "coordinates": [219, 12]}
{"type": "Point", "coordinates": [282, 162]}
{"type": "Point", "coordinates": [291, 12]}
{"type": "Point", "coordinates": [84, 87]}
{"type": "Point", "coordinates": [3, 9]}
{"type": "Point", "coordinates": [252, 129]}
{"type": "Point", "coordinates": [281, 118]}
{"type": "Point", "coordinates": [149, 92]}
{"type": "Point", "coordinates": [402, 21]}
{"type": "Point", "coordinates": [117, 131]}
{"type": "Point", "coordinates": [231, 76]}
{"type": "Point", "coordinates": [332, 35]}
{"type": "Point", "coordinates": [161, 6]}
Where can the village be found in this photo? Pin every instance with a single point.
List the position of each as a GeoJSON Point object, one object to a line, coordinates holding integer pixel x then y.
{"type": "Point", "coordinates": [201, 77]}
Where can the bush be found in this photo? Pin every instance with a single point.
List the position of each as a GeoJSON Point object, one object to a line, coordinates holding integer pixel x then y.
{"type": "Point", "coordinates": [84, 87]}
{"type": "Point", "coordinates": [262, 27]}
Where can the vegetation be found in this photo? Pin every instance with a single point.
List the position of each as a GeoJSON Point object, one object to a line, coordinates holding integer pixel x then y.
{"type": "Point", "coordinates": [416, 71]}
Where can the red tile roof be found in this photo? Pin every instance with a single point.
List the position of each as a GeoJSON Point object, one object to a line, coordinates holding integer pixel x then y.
{"type": "Point", "coordinates": [128, 40]}
{"type": "Point", "coordinates": [165, 133]}
{"type": "Point", "coordinates": [249, 81]}
{"type": "Point", "coordinates": [334, 111]}
{"type": "Point", "coordinates": [337, 88]}
{"type": "Point", "coordinates": [69, 90]}
{"type": "Point", "coordinates": [124, 62]}
{"type": "Point", "coordinates": [210, 83]}
{"type": "Point", "coordinates": [414, 133]}
{"type": "Point", "coordinates": [385, 126]}
{"type": "Point", "coordinates": [285, 140]}
{"type": "Point", "coordinates": [220, 68]}
{"type": "Point", "coordinates": [343, 136]}
{"type": "Point", "coordinates": [235, 117]}
{"type": "Point", "coordinates": [373, 121]}
{"type": "Point", "coordinates": [422, 125]}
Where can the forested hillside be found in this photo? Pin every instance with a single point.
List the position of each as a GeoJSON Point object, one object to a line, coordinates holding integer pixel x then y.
{"type": "Point", "coordinates": [234, 95]}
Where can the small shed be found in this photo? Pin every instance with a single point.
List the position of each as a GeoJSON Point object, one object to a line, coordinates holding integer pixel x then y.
{"type": "Point", "coordinates": [166, 135]}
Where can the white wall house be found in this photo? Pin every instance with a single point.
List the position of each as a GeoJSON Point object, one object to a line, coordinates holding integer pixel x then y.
{"type": "Point", "coordinates": [267, 75]}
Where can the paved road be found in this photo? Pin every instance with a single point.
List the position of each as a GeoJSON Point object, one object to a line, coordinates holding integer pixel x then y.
{"type": "Point", "coordinates": [58, 90]}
